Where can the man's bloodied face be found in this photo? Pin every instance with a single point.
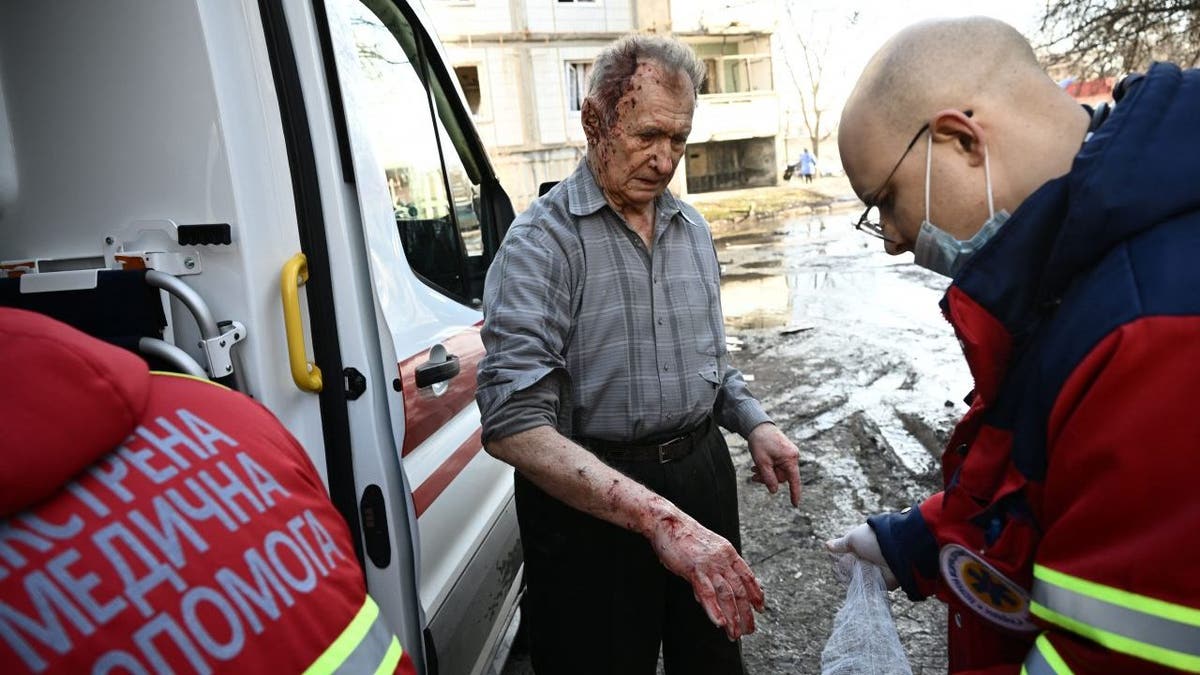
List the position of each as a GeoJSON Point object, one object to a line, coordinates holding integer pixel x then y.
{"type": "Point", "coordinates": [635, 158]}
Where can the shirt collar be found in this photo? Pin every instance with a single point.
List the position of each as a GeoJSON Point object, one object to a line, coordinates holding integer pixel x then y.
{"type": "Point", "coordinates": [586, 197]}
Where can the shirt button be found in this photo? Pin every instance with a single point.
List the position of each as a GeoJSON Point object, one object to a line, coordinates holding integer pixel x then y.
{"type": "Point", "coordinates": [666, 368]}
{"type": "Point", "coordinates": [660, 321]}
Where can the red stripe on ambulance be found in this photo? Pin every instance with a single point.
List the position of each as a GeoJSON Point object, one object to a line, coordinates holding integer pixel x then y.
{"type": "Point", "coordinates": [437, 482]}
{"type": "Point", "coordinates": [425, 412]}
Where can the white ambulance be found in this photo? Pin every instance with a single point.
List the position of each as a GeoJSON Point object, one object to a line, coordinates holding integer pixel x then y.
{"type": "Point", "coordinates": [288, 196]}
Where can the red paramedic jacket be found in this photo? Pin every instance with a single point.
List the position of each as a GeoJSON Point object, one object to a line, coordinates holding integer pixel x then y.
{"type": "Point", "coordinates": [1074, 475]}
{"type": "Point", "coordinates": [152, 522]}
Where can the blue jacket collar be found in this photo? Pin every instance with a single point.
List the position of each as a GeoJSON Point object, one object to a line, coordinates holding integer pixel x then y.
{"type": "Point", "coordinates": [1140, 168]}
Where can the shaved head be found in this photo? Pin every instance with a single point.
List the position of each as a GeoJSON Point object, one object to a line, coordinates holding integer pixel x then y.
{"type": "Point", "coordinates": [940, 64]}
{"type": "Point", "coordinates": [974, 89]}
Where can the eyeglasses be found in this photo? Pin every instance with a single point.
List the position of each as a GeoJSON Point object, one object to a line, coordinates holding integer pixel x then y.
{"type": "Point", "coordinates": [869, 223]}
{"type": "Point", "coordinates": [872, 225]}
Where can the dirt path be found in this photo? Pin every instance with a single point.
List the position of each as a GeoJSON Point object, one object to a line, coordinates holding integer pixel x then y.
{"type": "Point", "coordinates": [848, 471]}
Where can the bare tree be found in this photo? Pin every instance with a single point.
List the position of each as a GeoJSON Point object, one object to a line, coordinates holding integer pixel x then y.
{"type": "Point", "coordinates": [813, 40]}
{"type": "Point", "coordinates": [1103, 38]}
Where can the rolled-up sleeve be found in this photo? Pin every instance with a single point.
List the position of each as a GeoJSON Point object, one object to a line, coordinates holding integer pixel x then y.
{"type": "Point", "coordinates": [736, 408]}
{"type": "Point", "coordinates": [527, 318]}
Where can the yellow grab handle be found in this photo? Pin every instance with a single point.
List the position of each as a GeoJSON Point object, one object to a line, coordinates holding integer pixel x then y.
{"type": "Point", "coordinates": [305, 373]}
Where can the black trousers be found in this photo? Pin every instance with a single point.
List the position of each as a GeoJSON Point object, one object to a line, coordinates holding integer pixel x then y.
{"type": "Point", "coordinates": [597, 598]}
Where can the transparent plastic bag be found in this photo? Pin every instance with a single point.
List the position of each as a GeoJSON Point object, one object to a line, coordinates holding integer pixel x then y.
{"type": "Point", "coordinates": [864, 639]}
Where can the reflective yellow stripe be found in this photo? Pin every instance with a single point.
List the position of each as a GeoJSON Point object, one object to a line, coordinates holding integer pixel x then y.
{"type": "Point", "coordinates": [391, 658]}
{"type": "Point", "coordinates": [1119, 643]}
{"type": "Point", "coordinates": [1051, 655]}
{"type": "Point", "coordinates": [1116, 596]}
{"type": "Point", "coordinates": [345, 644]}
{"type": "Point", "coordinates": [185, 376]}
{"type": "Point", "coordinates": [1137, 625]}
{"type": "Point", "coordinates": [1043, 659]}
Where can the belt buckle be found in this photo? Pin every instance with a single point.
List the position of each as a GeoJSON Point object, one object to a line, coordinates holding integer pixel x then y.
{"type": "Point", "coordinates": [662, 448]}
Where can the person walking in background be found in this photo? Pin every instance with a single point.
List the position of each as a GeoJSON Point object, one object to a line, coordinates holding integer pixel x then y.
{"type": "Point", "coordinates": [808, 165]}
{"type": "Point", "coordinates": [1064, 540]}
{"type": "Point", "coordinates": [155, 522]}
{"type": "Point", "coordinates": [605, 381]}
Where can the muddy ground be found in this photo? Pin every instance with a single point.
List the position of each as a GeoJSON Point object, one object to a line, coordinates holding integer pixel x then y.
{"type": "Point", "coordinates": [849, 471]}
{"type": "Point", "coordinates": [846, 348]}
{"type": "Point", "coordinates": [848, 351]}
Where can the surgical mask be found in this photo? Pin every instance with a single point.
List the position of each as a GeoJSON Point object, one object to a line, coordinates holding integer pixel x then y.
{"type": "Point", "coordinates": [938, 250]}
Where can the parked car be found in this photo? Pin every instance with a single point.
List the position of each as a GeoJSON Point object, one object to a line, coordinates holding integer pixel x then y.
{"type": "Point", "coordinates": [295, 191]}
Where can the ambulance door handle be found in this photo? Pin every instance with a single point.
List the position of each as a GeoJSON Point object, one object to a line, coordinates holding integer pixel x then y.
{"type": "Point", "coordinates": [440, 367]}
{"type": "Point", "coordinates": [305, 373]}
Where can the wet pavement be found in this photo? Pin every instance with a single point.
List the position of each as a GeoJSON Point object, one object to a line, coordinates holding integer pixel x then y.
{"type": "Point", "coordinates": [854, 329]}
{"type": "Point", "coordinates": [847, 349]}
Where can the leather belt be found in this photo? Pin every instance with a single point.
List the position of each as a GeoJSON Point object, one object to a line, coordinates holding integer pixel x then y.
{"type": "Point", "coordinates": [669, 450]}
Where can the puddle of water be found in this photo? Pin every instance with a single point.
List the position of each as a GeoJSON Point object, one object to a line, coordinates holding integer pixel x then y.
{"type": "Point", "coordinates": [734, 279]}
{"type": "Point", "coordinates": [820, 268]}
{"type": "Point", "coordinates": [875, 316]}
{"type": "Point", "coordinates": [761, 264]}
{"type": "Point", "coordinates": [743, 239]}
{"type": "Point", "coordinates": [761, 300]}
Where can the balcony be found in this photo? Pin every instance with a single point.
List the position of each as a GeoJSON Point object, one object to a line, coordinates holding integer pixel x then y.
{"type": "Point", "coordinates": [725, 117]}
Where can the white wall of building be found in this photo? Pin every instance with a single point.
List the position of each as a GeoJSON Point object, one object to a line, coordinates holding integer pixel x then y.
{"type": "Point", "coordinates": [727, 117]}
{"type": "Point", "coordinates": [557, 81]}
{"type": "Point", "coordinates": [499, 119]}
{"type": "Point", "coordinates": [455, 19]}
{"type": "Point", "coordinates": [503, 83]}
{"type": "Point", "coordinates": [522, 173]}
{"type": "Point", "coordinates": [692, 16]}
{"type": "Point", "coordinates": [548, 94]}
{"type": "Point", "coordinates": [601, 16]}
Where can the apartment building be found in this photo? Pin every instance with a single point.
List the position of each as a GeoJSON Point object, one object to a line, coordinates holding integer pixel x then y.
{"type": "Point", "coordinates": [735, 141]}
{"type": "Point", "coordinates": [524, 64]}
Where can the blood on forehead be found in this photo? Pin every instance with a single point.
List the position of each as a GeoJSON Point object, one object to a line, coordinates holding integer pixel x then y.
{"type": "Point", "coordinates": [650, 73]}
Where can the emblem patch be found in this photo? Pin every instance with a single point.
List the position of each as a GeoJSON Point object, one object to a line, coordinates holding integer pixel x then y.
{"type": "Point", "coordinates": [986, 591]}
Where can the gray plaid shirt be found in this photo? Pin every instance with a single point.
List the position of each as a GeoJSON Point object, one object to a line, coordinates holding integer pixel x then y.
{"type": "Point", "coordinates": [633, 342]}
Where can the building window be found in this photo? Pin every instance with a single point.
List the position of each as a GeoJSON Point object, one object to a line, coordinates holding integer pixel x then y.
{"type": "Point", "coordinates": [736, 74]}
{"type": "Point", "coordinates": [711, 79]}
{"type": "Point", "coordinates": [578, 73]}
{"type": "Point", "coordinates": [468, 78]}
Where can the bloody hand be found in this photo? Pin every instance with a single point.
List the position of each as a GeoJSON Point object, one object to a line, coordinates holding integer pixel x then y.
{"type": "Point", "coordinates": [721, 581]}
{"type": "Point", "coordinates": [776, 460]}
